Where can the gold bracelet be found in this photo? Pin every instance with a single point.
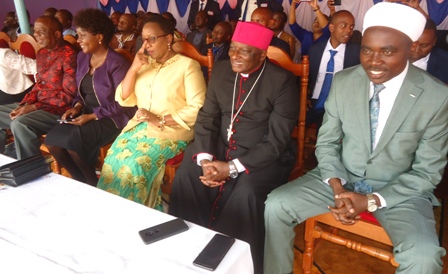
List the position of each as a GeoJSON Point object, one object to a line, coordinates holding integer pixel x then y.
{"type": "Point", "coordinates": [162, 122]}
{"type": "Point", "coordinates": [317, 9]}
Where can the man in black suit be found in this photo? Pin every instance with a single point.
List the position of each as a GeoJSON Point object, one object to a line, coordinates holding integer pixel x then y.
{"type": "Point", "coordinates": [428, 57]}
{"type": "Point", "coordinates": [221, 35]}
{"type": "Point", "coordinates": [242, 144]}
{"type": "Point", "coordinates": [341, 28]}
{"type": "Point", "coordinates": [198, 37]}
{"type": "Point", "coordinates": [210, 7]}
{"type": "Point", "coordinates": [265, 17]}
{"type": "Point", "coordinates": [244, 8]}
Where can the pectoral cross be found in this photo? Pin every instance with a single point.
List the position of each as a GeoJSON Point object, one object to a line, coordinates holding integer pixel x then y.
{"type": "Point", "coordinates": [229, 132]}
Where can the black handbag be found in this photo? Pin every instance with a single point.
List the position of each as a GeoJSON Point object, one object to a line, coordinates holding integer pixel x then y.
{"type": "Point", "coordinates": [22, 171]}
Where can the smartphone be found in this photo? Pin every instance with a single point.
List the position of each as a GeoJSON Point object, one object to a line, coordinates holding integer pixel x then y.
{"type": "Point", "coordinates": [336, 3]}
{"type": "Point", "coordinates": [213, 253]}
{"type": "Point", "coordinates": [163, 230]}
{"type": "Point", "coordinates": [65, 120]}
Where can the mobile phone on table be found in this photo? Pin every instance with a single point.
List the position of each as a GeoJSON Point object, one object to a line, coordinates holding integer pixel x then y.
{"type": "Point", "coordinates": [163, 230]}
{"type": "Point", "coordinates": [213, 253]}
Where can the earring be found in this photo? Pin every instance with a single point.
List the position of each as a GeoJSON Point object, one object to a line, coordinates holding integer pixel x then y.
{"type": "Point", "coordinates": [169, 47]}
{"type": "Point", "coordinates": [100, 42]}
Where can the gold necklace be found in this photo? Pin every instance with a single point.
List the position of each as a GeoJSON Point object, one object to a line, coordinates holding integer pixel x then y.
{"type": "Point", "coordinates": [93, 68]}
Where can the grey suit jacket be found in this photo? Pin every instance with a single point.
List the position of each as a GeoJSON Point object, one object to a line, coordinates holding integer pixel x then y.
{"type": "Point", "coordinates": [411, 153]}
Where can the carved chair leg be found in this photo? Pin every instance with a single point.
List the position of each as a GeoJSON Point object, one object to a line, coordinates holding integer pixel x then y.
{"type": "Point", "coordinates": [308, 254]}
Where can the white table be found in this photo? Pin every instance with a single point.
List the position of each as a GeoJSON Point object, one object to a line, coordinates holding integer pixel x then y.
{"type": "Point", "coordinates": [58, 225]}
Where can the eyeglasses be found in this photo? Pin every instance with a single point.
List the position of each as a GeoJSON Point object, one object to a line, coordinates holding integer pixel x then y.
{"type": "Point", "coordinates": [152, 39]}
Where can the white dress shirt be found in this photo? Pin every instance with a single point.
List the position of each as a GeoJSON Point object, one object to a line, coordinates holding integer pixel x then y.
{"type": "Point", "coordinates": [338, 66]}
{"type": "Point", "coordinates": [422, 62]}
{"type": "Point", "coordinates": [251, 6]}
{"type": "Point", "coordinates": [204, 2]}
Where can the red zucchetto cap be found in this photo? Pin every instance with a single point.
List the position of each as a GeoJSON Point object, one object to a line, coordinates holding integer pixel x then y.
{"type": "Point", "coordinates": [253, 34]}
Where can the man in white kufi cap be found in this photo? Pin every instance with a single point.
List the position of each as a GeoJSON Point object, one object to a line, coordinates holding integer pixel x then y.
{"type": "Point", "coordinates": [382, 148]}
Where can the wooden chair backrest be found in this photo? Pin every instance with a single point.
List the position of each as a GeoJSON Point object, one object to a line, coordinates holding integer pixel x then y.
{"type": "Point", "coordinates": [5, 40]}
{"type": "Point", "coordinates": [187, 49]}
{"type": "Point", "coordinates": [281, 58]}
{"type": "Point", "coordinates": [126, 54]}
{"type": "Point", "coordinates": [26, 45]}
{"type": "Point", "coordinates": [71, 39]}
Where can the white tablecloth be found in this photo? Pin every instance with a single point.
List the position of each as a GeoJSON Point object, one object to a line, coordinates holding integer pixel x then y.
{"type": "Point", "coordinates": [58, 225]}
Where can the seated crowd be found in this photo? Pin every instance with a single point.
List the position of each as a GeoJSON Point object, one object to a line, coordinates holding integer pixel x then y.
{"type": "Point", "coordinates": [235, 128]}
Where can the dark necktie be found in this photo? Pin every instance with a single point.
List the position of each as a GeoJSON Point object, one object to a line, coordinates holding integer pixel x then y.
{"type": "Point", "coordinates": [319, 107]}
{"type": "Point", "coordinates": [202, 6]}
{"type": "Point", "coordinates": [245, 11]}
{"type": "Point", "coordinates": [375, 110]}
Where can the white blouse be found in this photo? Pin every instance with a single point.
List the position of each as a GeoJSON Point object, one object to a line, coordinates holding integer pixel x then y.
{"type": "Point", "coordinates": [14, 71]}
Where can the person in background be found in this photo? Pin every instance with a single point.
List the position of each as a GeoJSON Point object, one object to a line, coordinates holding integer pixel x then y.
{"type": "Point", "coordinates": [279, 19]}
{"type": "Point", "coordinates": [320, 26]}
{"type": "Point", "coordinates": [168, 89]}
{"type": "Point", "coordinates": [95, 118]}
{"type": "Point", "coordinates": [242, 145]}
{"type": "Point", "coordinates": [198, 37]}
{"type": "Point", "coordinates": [178, 36]}
{"type": "Point", "coordinates": [66, 17]}
{"type": "Point", "coordinates": [51, 96]}
{"type": "Point", "coordinates": [15, 70]}
{"type": "Point", "coordinates": [50, 12]}
{"type": "Point", "coordinates": [13, 33]}
{"type": "Point", "coordinates": [211, 7]}
{"type": "Point", "coordinates": [10, 22]}
{"type": "Point", "coordinates": [221, 35]}
{"type": "Point", "coordinates": [429, 57]}
{"type": "Point", "coordinates": [125, 38]}
{"type": "Point", "coordinates": [382, 148]}
{"type": "Point", "coordinates": [115, 17]}
{"type": "Point", "coordinates": [264, 17]}
{"type": "Point", "coordinates": [346, 54]}
{"type": "Point", "coordinates": [139, 26]}
{"type": "Point", "coordinates": [245, 8]}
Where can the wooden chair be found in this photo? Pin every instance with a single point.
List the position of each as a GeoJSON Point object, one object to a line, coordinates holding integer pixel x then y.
{"type": "Point", "coordinates": [73, 41]}
{"type": "Point", "coordinates": [367, 227]}
{"type": "Point", "coordinates": [282, 58]}
{"type": "Point", "coordinates": [126, 54]}
{"type": "Point", "coordinates": [26, 45]}
{"type": "Point", "coordinates": [44, 150]}
{"type": "Point", "coordinates": [187, 49]}
{"type": "Point", "coordinates": [5, 40]}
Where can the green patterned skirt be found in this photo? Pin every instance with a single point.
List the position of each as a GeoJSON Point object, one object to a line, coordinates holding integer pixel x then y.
{"type": "Point", "coordinates": [135, 165]}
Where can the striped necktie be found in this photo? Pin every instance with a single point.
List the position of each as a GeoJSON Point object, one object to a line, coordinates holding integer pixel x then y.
{"type": "Point", "coordinates": [374, 111]}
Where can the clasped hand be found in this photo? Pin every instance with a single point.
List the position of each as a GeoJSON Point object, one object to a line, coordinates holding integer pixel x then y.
{"type": "Point", "coordinates": [78, 121]}
{"type": "Point", "coordinates": [348, 206]}
{"type": "Point", "coordinates": [214, 173]}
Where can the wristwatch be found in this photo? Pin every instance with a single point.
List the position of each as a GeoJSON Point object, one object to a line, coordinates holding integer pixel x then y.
{"type": "Point", "coordinates": [233, 172]}
{"type": "Point", "coordinates": [371, 203]}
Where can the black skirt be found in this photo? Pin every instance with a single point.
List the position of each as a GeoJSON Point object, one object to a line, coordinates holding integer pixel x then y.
{"type": "Point", "coordinates": [86, 140]}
